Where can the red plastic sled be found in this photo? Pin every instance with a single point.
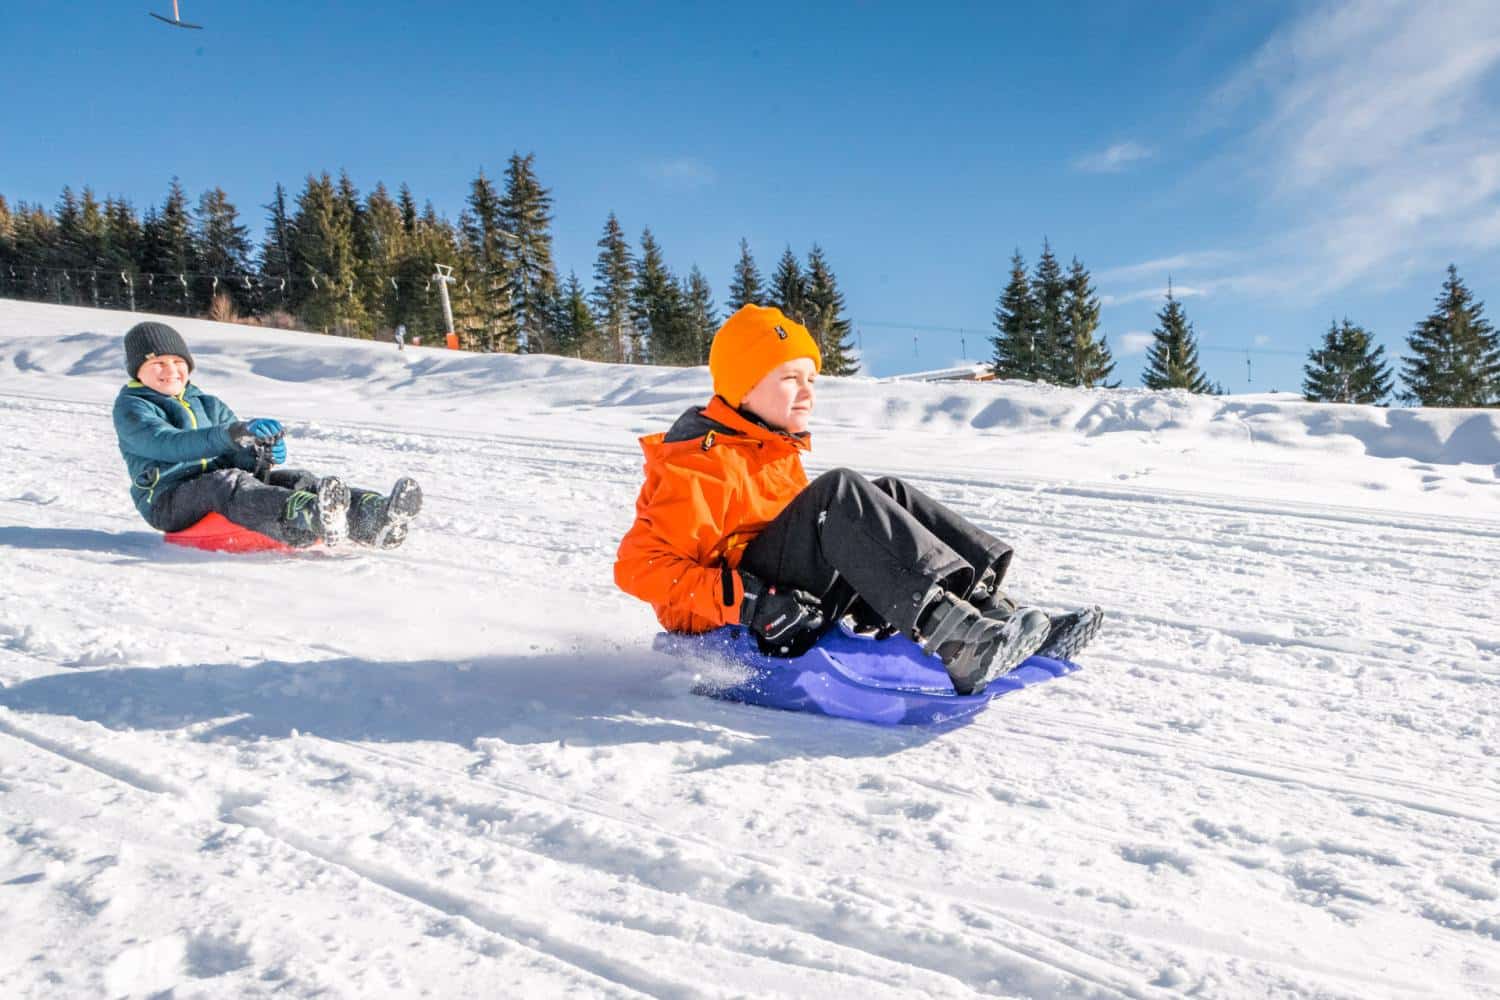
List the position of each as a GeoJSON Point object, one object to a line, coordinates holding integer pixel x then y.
{"type": "Point", "coordinates": [216, 533]}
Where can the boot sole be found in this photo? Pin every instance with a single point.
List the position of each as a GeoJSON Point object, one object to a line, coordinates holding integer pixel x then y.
{"type": "Point", "coordinates": [1068, 642]}
{"type": "Point", "coordinates": [404, 504]}
{"type": "Point", "coordinates": [333, 510]}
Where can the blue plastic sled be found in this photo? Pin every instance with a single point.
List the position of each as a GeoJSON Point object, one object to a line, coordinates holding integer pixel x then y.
{"type": "Point", "coordinates": [889, 681]}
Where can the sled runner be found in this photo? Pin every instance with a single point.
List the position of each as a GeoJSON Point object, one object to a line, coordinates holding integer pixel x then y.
{"type": "Point", "coordinates": [888, 681]}
{"type": "Point", "coordinates": [216, 533]}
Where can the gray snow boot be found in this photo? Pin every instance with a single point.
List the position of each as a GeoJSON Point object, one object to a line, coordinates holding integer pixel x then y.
{"type": "Point", "coordinates": [977, 649]}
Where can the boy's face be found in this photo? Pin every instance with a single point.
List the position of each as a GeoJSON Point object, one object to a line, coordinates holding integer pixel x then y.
{"type": "Point", "coordinates": [166, 373]}
{"type": "Point", "coordinates": [784, 398]}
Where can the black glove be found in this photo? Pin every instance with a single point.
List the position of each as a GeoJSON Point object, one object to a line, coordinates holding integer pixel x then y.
{"type": "Point", "coordinates": [786, 622]}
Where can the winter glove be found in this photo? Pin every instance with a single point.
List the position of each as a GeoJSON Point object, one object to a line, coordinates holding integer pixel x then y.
{"type": "Point", "coordinates": [785, 621]}
{"type": "Point", "coordinates": [247, 433]}
{"type": "Point", "coordinates": [264, 436]}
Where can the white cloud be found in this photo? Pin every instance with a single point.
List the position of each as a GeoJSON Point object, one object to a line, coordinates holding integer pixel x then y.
{"type": "Point", "coordinates": [683, 172]}
{"type": "Point", "coordinates": [1114, 159]}
{"type": "Point", "coordinates": [1135, 342]}
{"type": "Point", "coordinates": [1158, 293]}
{"type": "Point", "coordinates": [1372, 132]}
{"type": "Point", "coordinates": [1261, 340]}
{"type": "Point", "coordinates": [1168, 265]}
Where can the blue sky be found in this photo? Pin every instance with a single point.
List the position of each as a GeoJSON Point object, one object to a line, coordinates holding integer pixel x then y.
{"type": "Point", "coordinates": [1283, 163]}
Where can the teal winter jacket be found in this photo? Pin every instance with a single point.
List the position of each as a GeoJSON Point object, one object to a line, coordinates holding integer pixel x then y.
{"type": "Point", "coordinates": [167, 439]}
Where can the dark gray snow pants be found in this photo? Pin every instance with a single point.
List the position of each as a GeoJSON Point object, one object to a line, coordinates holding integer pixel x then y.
{"type": "Point", "coordinates": [846, 536]}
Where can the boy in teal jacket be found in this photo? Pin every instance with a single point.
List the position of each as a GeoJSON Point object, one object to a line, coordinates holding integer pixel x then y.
{"type": "Point", "coordinates": [189, 456]}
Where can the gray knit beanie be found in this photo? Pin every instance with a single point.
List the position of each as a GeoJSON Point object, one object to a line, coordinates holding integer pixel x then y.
{"type": "Point", "coordinates": [145, 341]}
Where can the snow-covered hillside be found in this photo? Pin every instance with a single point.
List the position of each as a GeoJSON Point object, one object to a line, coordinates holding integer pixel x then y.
{"type": "Point", "coordinates": [459, 769]}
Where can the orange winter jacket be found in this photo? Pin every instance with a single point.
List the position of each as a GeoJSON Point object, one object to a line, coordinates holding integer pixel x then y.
{"type": "Point", "coordinates": [713, 482]}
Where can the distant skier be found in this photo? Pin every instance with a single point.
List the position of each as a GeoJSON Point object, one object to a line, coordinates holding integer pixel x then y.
{"type": "Point", "coordinates": [189, 456]}
{"type": "Point", "coordinates": [400, 336]}
{"type": "Point", "coordinates": [729, 531]}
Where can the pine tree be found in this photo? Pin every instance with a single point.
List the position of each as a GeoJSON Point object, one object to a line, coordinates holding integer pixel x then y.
{"type": "Point", "coordinates": [378, 252]}
{"type": "Point", "coordinates": [408, 210]}
{"type": "Point", "coordinates": [93, 232]}
{"type": "Point", "coordinates": [1048, 290]}
{"type": "Point", "coordinates": [223, 250]}
{"type": "Point", "coordinates": [168, 253]}
{"type": "Point", "coordinates": [1455, 353]}
{"type": "Point", "coordinates": [1346, 369]}
{"type": "Point", "coordinates": [273, 291]}
{"type": "Point", "coordinates": [1172, 360]}
{"type": "Point", "coordinates": [123, 235]}
{"type": "Point", "coordinates": [745, 287]}
{"type": "Point", "coordinates": [614, 279]}
{"type": "Point", "coordinates": [656, 306]}
{"type": "Point", "coordinates": [699, 315]}
{"type": "Point", "coordinates": [323, 258]}
{"type": "Point", "coordinates": [574, 333]}
{"type": "Point", "coordinates": [1088, 360]}
{"type": "Point", "coordinates": [33, 233]}
{"type": "Point", "coordinates": [67, 252]}
{"type": "Point", "coordinates": [825, 319]}
{"type": "Point", "coordinates": [789, 287]}
{"type": "Point", "coordinates": [526, 212]}
{"type": "Point", "coordinates": [352, 210]}
{"type": "Point", "coordinates": [485, 240]}
{"type": "Point", "coordinates": [1015, 341]}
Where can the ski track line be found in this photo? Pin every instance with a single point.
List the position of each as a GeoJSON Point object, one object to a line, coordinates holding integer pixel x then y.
{"type": "Point", "coordinates": [1252, 638]}
{"type": "Point", "coordinates": [230, 807]}
{"type": "Point", "coordinates": [1366, 517]}
{"type": "Point", "coordinates": [866, 941]}
{"type": "Point", "coordinates": [1314, 779]}
{"type": "Point", "coordinates": [1226, 946]}
{"type": "Point", "coordinates": [1063, 530]}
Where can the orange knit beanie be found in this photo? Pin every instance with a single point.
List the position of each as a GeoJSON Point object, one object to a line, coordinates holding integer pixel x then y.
{"type": "Point", "coordinates": [751, 343]}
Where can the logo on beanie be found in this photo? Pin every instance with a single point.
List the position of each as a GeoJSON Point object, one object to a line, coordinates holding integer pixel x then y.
{"type": "Point", "coordinates": [779, 331]}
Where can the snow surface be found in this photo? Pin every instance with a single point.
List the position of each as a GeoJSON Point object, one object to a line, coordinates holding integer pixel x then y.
{"type": "Point", "coordinates": [459, 769]}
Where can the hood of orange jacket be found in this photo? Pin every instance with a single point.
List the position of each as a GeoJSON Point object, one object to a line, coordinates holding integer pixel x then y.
{"type": "Point", "coordinates": [713, 482]}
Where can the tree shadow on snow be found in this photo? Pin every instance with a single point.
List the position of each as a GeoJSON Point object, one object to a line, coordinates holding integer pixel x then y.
{"type": "Point", "coordinates": [582, 699]}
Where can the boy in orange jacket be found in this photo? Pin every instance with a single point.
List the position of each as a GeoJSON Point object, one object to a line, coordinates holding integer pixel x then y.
{"type": "Point", "coordinates": [729, 531]}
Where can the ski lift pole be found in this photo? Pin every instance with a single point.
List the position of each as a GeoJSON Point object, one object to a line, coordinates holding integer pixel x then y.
{"type": "Point", "coordinates": [444, 278]}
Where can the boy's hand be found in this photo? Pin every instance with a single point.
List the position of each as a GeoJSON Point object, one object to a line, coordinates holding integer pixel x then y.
{"type": "Point", "coordinates": [786, 621]}
{"type": "Point", "coordinates": [249, 433]}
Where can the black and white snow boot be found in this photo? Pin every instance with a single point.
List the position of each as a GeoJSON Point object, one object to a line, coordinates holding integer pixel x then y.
{"type": "Point", "coordinates": [1071, 632]}
{"type": "Point", "coordinates": [977, 649]}
{"type": "Point", "coordinates": [332, 510]}
{"type": "Point", "coordinates": [404, 503]}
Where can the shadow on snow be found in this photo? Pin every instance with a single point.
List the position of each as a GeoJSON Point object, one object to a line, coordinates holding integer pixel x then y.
{"type": "Point", "coordinates": [603, 698]}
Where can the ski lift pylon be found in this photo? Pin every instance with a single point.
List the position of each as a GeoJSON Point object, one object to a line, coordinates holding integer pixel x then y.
{"type": "Point", "coordinates": [175, 20]}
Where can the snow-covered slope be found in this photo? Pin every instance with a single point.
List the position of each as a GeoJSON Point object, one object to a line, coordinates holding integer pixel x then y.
{"type": "Point", "coordinates": [459, 769]}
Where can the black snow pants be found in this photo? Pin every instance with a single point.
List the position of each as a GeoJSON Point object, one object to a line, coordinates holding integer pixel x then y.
{"type": "Point", "coordinates": [237, 495]}
{"type": "Point", "coordinates": [846, 537]}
